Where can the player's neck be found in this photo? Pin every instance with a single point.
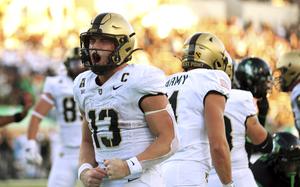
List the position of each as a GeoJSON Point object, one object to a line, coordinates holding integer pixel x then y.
{"type": "Point", "coordinates": [103, 78]}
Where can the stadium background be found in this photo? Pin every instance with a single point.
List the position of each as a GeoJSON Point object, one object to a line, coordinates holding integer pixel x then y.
{"type": "Point", "coordinates": [35, 34]}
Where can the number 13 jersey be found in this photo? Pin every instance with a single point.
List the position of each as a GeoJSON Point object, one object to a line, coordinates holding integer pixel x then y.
{"type": "Point", "coordinates": [113, 111]}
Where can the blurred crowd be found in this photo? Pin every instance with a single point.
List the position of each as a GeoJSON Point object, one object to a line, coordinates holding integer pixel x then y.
{"type": "Point", "coordinates": [24, 69]}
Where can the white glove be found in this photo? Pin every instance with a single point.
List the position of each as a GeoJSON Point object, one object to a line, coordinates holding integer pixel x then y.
{"type": "Point", "coordinates": [32, 154]}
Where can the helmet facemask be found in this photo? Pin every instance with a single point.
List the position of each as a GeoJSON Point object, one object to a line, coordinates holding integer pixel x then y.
{"type": "Point", "coordinates": [281, 80]}
{"type": "Point", "coordinates": [262, 86]}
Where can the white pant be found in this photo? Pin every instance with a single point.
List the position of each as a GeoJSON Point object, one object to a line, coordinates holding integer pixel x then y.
{"type": "Point", "coordinates": [185, 173]}
{"type": "Point", "coordinates": [64, 169]}
{"type": "Point", "coordinates": [150, 178]}
{"type": "Point", "coordinates": [240, 177]}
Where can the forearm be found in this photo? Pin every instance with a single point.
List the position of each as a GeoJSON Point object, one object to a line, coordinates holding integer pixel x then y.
{"type": "Point", "coordinates": [221, 160]}
{"type": "Point", "coordinates": [17, 117]}
{"type": "Point", "coordinates": [33, 128]}
{"type": "Point", "coordinates": [40, 111]}
{"type": "Point", "coordinates": [87, 154]}
{"type": "Point", "coordinates": [160, 147]}
{"type": "Point", "coordinates": [4, 120]}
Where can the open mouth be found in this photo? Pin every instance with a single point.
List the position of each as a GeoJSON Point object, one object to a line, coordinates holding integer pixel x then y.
{"type": "Point", "coordinates": [96, 57]}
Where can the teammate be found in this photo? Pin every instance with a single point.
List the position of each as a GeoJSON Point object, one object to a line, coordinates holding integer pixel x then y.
{"type": "Point", "coordinates": [198, 98]}
{"type": "Point", "coordinates": [253, 74]}
{"type": "Point", "coordinates": [289, 67]}
{"type": "Point", "coordinates": [282, 166]}
{"type": "Point", "coordinates": [26, 103]}
{"type": "Point", "coordinates": [58, 93]}
{"type": "Point", "coordinates": [129, 126]}
{"type": "Point", "coordinates": [241, 121]}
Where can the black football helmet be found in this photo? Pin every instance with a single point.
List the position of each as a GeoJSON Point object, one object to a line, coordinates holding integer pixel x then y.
{"type": "Point", "coordinates": [286, 153]}
{"type": "Point", "coordinates": [73, 63]}
{"type": "Point", "coordinates": [114, 27]}
{"type": "Point", "coordinates": [254, 75]}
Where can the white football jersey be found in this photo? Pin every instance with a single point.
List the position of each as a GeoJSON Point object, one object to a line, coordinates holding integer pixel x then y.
{"type": "Point", "coordinates": [295, 98]}
{"type": "Point", "coordinates": [186, 92]}
{"type": "Point", "coordinates": [113, 111]}
{"type": "Point", "coordinates": [239, 107]}
{"type": "Point", "coordinates": [67, 112]}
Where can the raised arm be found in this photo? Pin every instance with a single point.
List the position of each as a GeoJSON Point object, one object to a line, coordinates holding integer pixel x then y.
{"type": "Point", "coordinates": [43, 106]}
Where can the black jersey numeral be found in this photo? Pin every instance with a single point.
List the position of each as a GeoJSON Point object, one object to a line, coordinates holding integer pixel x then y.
{"type": "Point", "coordinates": [69, 109]}
{"type": "Point", "coordinates": [113, 127]}
{"type": "Point", "coordinates": [228, 129]}
{"type": "Point", "coordinates": [173, 101]}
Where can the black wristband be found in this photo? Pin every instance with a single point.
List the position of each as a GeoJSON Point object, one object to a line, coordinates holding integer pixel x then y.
{"type": "Point", "coordinates": [267, 145]}
{"type": "Point", "coordinates": [18, 117]}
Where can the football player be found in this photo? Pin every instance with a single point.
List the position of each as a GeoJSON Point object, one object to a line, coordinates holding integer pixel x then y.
{"type": "Point", "coordinates": [289, 67]}
{"type": "Point", "coordinates": [129, 126]}
{"type": "Point", "coordinates": [282, 166]}
{"type": "Point", "coordinates": [253, 74]}
{"type": "Point", "coordinates": [58, 93]}
{"type": "Point", "coordinates": [198, 96]}
{"type": "Point", "coordinates": [241, 120]}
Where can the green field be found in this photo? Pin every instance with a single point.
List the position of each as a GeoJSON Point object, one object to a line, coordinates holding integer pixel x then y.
{"type": "Point", "coordinates": [24, 183]}
{"type": "Point", "coordinates": [27, 183]}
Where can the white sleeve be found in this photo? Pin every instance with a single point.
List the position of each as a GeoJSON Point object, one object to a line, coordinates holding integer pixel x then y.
{"type": "Point", "coordinates": [151, 82]}
{"type": "Point", "coordinates": [76, 91]}
{"type": "Point", "coordinates": [49, 86]}
{"type": "Point", "coordinates": [213, 81]}
{"type": "Point", "coordinates": [248, 105]}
